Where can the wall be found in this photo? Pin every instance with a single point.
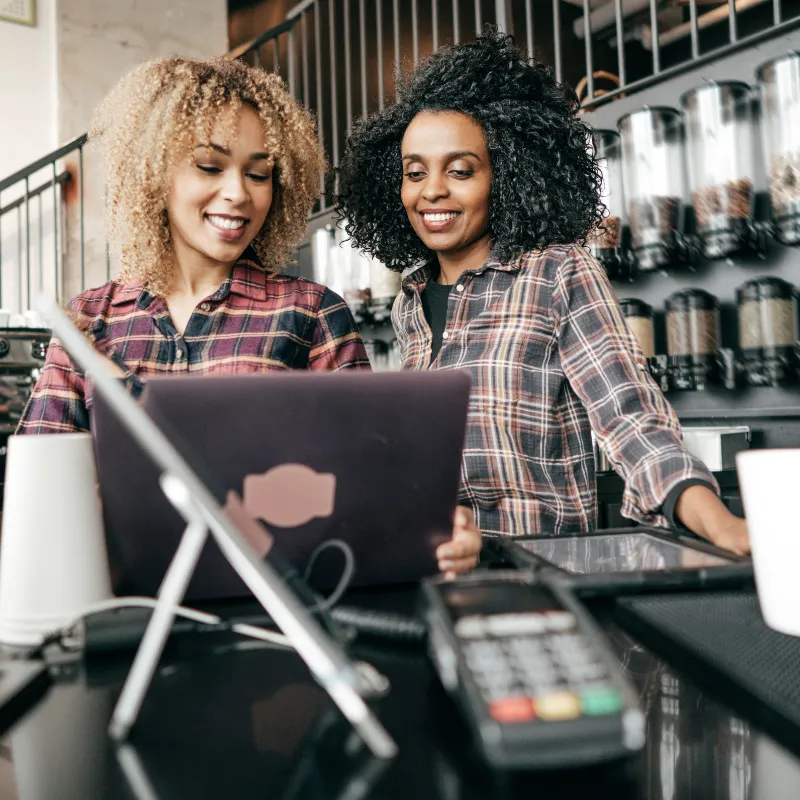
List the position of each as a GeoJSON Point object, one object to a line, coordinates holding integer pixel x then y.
{"type": "Point", "coordinates": [29, 130]}
{"type": "Point", "coordinates": [96, 44]}
{"type": "Point", "coordinates": [250, 18]}
{"type": "Point", "coordinates": [52, 77]}
{"type": "Point", "coordinates": [28, 89]}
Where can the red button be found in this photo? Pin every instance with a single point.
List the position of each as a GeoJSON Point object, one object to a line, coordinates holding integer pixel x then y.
{"type": "Point", "coordinates": [512, 709]}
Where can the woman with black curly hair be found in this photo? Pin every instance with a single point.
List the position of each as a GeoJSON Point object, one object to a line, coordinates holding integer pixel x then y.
{"type": "Point", "coordinates": [479, 181]}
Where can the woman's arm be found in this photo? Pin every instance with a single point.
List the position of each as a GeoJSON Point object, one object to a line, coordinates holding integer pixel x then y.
{"type": "Point", "coordinates": [630, 416]}
{"type": "Point", "coordinates": [58, 401]}
{"type": "Point", "coordinates": [703, 513]}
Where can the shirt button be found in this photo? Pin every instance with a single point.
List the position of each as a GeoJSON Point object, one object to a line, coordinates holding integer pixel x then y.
{"type": "Point", "coordinates": [460, 287]}
{"type": "Point", "coordinates": [205, 306]}
{"type": "Point", "coordinates": [179, 353]}
{"type": "Point", "coordinates": [445, 335]}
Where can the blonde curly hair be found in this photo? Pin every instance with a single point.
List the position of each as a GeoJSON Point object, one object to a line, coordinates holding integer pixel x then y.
{"type": "Point", "coordinates": [156, 115]}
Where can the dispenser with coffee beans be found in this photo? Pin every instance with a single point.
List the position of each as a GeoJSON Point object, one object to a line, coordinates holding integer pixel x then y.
{"type": "Point", "coordinates": [653, 177]}
{"type": "Point", "coordinates": [720, 137]}
{"type": "Point", "coordinates": [606, 243]}
{"type": "Point", "coordinates": [779, 86]}
{"type": "Point", "coordinates": [641, 320]}
{"type": "Point", "coordinates": [692, 339]}
{"type": "Point", "coordinates": [767, 331]}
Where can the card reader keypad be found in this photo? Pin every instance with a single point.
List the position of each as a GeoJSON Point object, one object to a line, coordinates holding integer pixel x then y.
{"type": "Point", "coordinates": [536, 665]}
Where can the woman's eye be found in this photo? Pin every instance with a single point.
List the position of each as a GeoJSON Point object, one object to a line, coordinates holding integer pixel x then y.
{"type": "Point", "coordinates": [414, 175]}
{"type": "Point", "coordinates": [209, 169]}
{"type": "Point", "coordinates": [258, 177]}
{"type": "Point", "coordinates": [462, 173]}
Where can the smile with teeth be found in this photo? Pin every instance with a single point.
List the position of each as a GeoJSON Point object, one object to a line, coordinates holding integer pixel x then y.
{"type": "Point", "coordinates": [227, 223]}
{"type": "Point", "coordinates": [439, 216]}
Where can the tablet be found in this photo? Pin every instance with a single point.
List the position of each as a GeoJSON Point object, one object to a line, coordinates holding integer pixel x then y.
{"type": "Point", "coordinates": [630, 560]}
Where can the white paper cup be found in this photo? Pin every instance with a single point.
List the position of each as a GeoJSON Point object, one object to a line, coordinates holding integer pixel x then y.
{"type": "Point", "coordinates": [769, 481]}
{"type": "Point", "coordinates": [53, 561]}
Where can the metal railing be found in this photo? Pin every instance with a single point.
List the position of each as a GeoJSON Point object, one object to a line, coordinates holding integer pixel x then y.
{"type": "Point", "coordinates": [32, 250]}
{"type": "Point", "coordinates": [340, 58]}
{"type": "Point", "coordinates": [680, 35]}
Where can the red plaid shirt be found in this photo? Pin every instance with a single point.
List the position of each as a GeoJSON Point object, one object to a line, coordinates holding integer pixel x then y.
{"type": "Point", "coordinates": [257, 320]}
{"type": "Point", "coordinates": [552, 359]}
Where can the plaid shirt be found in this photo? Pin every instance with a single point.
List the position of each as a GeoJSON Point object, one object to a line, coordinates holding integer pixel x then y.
{"type": "Point", "coordinates": [257, 320]}
{"type": "Point", "coordinates": [552, 359]}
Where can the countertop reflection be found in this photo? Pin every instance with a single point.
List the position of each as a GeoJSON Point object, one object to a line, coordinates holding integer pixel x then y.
{"type": "Point", "coordinates": [229, 719]}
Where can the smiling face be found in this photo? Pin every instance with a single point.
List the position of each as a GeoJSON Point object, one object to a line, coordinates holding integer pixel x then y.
{"type": "Point", "coordinates": [220, 197]}
{"type": "Point", "coordinates": [447, 182]}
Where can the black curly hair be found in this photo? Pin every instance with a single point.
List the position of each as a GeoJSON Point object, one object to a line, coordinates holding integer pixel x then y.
{"type": "Point", "coordinates": [545, 181]}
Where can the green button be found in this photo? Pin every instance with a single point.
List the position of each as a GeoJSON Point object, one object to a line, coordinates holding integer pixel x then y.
{"type": "Point", "coordinates": [600, 701]}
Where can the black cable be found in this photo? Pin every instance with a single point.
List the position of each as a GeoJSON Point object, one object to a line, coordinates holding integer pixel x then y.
{"type": "Point", "coordinates": [382, 624]}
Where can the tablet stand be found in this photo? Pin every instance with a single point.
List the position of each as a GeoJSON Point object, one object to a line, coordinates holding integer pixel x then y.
{"type": "Point", "coordinates": [328, 663]}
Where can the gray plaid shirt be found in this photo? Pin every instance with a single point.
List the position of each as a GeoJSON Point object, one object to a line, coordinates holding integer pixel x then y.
{"type": "Point", "coordinates": [552, 359]}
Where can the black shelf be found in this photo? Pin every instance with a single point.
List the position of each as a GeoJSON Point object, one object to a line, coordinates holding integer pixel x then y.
{"type": "Point", "coordinates": [752, 402]}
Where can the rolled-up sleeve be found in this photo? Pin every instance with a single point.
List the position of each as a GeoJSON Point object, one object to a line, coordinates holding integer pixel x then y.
{"type": "Point", "coordinates": [634, 424]}
{"type": "Point", "coordinates": [58, 401]}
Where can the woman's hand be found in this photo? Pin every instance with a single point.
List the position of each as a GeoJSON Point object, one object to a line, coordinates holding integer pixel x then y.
{"type": "Point", "coordinates": [461, 553]}
{"type": "Point", "coordinates": [700, 510]}
{"type": "Point", "coordinates": [730, 534]}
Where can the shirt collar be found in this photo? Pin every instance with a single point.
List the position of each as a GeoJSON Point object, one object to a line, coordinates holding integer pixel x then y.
{"type": "Point", "coordinates": [248, 279]}
{"type": "Point", "coordinates": [419, 277]}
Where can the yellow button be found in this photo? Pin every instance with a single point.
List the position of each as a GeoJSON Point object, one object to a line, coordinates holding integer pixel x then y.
{"type": "Point", "coordinates": [558, 706]}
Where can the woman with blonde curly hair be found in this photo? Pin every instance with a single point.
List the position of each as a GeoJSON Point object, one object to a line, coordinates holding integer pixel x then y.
{"type": "Point", "coordinates": [211, 170]}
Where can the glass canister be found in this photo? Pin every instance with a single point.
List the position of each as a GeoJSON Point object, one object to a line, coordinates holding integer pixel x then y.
{"type": "Point", "coordinates": [719, 137]}
{"type": "Point", "coordinates": [384, 285]}
{"type": "Point", "coordinates": [378, 354]}
{"type": "Point", "coordinates": [767, 331]}
{"type": "Point", "coordinates": [605, 243]}
{"type": "Point", "coordinates": [639, 316]}
{"type": "Point", "coordinates": [692, 339]}
{"type": "Point", "coordinates": [323, 243]}
{"type": "Point", "coordinates": [350, 273]}
{"type": "Point", "coordinates": [653, 178]}
{"type": "Point", "coordinates": [779, 86]}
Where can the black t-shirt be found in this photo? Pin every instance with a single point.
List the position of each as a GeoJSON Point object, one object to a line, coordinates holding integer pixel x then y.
{"type": "Point", "coordinates": [434, 306]}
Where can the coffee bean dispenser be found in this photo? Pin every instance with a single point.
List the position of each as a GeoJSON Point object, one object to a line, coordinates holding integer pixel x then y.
{"type": "Point", "coordinates": [720, 146]}
{"type": "Point", "coordinates": [692, 339]}
{"type": "Point", "coordinates": [779, 86]}
{"type": "Point", "coordinates": [606, 244]}
{"type": "Point", "coordinates": [767, 331]}
{"type": "Point", "coordinates": [653, 177]}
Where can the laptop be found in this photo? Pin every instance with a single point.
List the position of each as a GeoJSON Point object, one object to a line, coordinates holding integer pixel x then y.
{"type": "Point", "coordinates": [372, 459]}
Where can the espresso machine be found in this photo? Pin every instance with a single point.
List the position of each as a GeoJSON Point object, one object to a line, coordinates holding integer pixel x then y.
{"type": "Point", "coordinates": [22, 354]}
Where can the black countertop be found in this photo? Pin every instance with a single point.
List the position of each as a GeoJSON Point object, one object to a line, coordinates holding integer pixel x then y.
{"type": "Point", "coordinates": [228, 718]}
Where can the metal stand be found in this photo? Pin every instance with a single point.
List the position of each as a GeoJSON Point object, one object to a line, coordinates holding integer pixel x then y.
{"type": "Point", "coordinates": [170, 594]}
{"type": "Point", "coordinates": [331, 667]}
